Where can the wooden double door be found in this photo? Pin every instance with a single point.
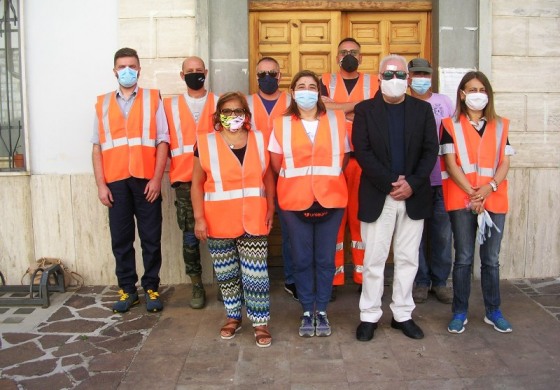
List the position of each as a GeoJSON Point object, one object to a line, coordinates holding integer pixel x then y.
{"type": "Point", "coordinates": [308, 40]}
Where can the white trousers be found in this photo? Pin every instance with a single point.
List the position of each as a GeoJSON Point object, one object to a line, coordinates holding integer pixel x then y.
{"type": "Point", "coordinates": [393, 224]}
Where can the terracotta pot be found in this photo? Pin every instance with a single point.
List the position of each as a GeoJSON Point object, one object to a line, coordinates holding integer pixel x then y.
{"type": "Point", "coordinates": [18, 160]}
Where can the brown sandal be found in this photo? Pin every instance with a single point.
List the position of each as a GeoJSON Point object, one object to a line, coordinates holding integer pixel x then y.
{"type": "Point", "coordinates": [231, 327]}
{"type": "Point", "coordinates": [262, 336]}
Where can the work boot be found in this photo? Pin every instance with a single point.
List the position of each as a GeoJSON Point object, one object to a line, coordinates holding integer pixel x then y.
{"type": "Point", "coordinates": [198, 299]}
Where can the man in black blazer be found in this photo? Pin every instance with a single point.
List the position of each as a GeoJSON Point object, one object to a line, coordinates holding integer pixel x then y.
{"type": "Point", "coordinates": [396, 145]}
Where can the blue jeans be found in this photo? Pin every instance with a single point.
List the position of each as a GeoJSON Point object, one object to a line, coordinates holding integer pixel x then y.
{"type": "Point", "coordinates": [464, 225]}
{"type": "Point", "coordinates": [313, 246]}
{"type": "Point", "coordinates": [434, 268]}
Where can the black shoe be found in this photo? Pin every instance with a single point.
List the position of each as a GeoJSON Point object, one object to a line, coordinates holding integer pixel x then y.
{"type": "Point", "coordinates": [290, 288]}
{"type": "Point", "coordinates": [409, 328]}
{"type": "Point", "coordinates": [365, 330]}
{"type": "Point", "coordinates": [333, 294]}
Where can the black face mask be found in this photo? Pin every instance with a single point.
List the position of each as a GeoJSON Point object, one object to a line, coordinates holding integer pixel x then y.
{"type": "Point", "coordinates": [268, 84]}
{"type": "Point", "coordinates": [195, 80]}
{"type": "Point", "coordinates": [349, 63]}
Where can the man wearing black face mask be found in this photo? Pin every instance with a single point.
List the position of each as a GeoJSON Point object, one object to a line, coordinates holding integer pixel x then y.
{"type": "Point", "coordinates": [187, 115]}
{"type": "Point", "coordinates": [342, 91]}
{"type": "Point", "coordinates": [265, 105]}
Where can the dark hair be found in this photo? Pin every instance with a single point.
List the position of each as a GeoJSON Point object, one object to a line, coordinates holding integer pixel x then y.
{"type": "Point", "coordinates": [293, 108]}
{"type": "Point", "coordinates": [227, 97]}
{"type": "Point", "coordinates": [125, 52]}
{"type": "Point", "coordinates": [461, 107]}
{"type": "Point", "coordinates": [268, 59]}
{"type": "Point", "coordinates": [350, 39]}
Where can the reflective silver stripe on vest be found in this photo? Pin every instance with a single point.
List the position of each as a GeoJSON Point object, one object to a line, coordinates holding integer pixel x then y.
{"type": "Point", "coordinates": [181, 148]}
{"type": "Point", "coordinates": [234, 194]}
{"type": "Point", "coordinates": [358, 245]}
{"type": "Point", "coordinates": [367, 90]}
{"type": "Point", "coordinates": [290, 171]}
{"type": "Point", "coordinates": [138, 141]}
{"type": "Point", "coordinates": [260, 147]}
{"type": "Point", "coordinates": [466, 164]}
{"type": "Point", "coordinates": [215, 162]}
{"type": "Point", "coordinates": [332, 85]}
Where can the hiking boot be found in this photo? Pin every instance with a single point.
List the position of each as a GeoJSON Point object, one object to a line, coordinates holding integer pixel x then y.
{"type": "Point", "coordinates": [444, 294]}
{"type": "Point", "coordinates": [198, 299]}
{"type": "Point", "coordinates": [290, 288]}
{"type": "Point", "coordinates": [457, 323]}
{"type": "Point", "coordinates": [420, 294]}
{"type": "Point", "coordinates": [322, 325]}
{"type": "Point", "coordinates": [125, 302]}
{"type": "Point", "coordinates": [496, 319]}
{"type": "Point", "coordinates": [153, 303]}
{"type": "Point", "coordinates": [307, 327]}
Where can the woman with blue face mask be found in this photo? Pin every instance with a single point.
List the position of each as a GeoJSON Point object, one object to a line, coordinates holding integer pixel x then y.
{"type": "Point", "coordinates": [309, 150]}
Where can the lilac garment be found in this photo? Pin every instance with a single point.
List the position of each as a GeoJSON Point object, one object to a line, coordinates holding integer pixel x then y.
{"type": "Point", "coordinates": [443, 108]}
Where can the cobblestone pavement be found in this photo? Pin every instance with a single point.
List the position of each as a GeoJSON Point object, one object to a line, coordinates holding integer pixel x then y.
{"type": "Point", "coordinates": [80, 343]}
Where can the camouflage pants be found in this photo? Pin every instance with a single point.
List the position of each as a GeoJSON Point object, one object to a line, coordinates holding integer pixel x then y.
{"type": "Point", "coordinates": [185, 219]}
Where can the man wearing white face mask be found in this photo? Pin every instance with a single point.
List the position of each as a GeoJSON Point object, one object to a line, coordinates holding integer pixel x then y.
{"type": "Point", "coordinates": [434, 262]}
{"type": "Point", "coordinates": [396, 145]}
{"type": "Point", "coordinates": [130, 143]}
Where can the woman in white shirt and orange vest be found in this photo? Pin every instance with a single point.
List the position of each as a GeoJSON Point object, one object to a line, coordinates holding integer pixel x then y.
{"type": "Point", "coordinates": [309, 150]}
{"type": "Point", "coordinates": [475, 163]}
{"type": "Point", "coordinates": [233, 200]}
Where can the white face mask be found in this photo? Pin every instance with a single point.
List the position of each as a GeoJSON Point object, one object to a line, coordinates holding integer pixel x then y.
{"type": "Point", "coordinates": [393, 88]}
{"type": "Point", "coordinates": [476, 101]}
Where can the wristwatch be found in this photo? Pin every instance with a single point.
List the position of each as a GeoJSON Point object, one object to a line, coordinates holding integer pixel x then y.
{"type": "Point", "coordinates": [494, 185]}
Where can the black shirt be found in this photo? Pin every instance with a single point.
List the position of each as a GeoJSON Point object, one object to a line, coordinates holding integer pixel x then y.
{"type": "Point", "coordinates": [395, 118]}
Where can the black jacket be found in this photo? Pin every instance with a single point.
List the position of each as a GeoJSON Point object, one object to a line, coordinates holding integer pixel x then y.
{"type": "Point", "coordinates": [370, 137]}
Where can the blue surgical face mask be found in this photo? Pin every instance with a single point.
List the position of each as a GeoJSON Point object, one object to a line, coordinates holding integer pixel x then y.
{"type": "Point", "coordinates": [420, 85]}
{"type": "Point", "coordinates": [127, 77]}
{"type": "Point", "coordinates": [306, 99]}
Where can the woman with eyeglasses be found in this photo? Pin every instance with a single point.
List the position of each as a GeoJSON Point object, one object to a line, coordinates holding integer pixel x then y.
{"type": "Point", "coordinates": [475, 163]}
{"type": "Point", "coordinates": [309, 150]}
{"type": "Point", "coordinates": [233, 202]}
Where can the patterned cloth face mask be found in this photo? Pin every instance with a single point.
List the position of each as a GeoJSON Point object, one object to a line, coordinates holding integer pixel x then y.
{"type": "Point", "coordinates": [232, 123]}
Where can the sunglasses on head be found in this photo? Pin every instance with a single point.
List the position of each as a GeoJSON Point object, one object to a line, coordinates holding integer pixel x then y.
{"type": "Point", "coordinates": [229, 112]}
{"type": "Point", "coordinates": [389, 74]}
{"type": "Point", "coordinates": [263, 73]}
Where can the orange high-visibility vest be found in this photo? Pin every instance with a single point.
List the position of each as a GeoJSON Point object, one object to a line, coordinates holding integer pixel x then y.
{"type": "Point", "coordinates": [261, 119]}
{"type": "Point", "coordinates": [234, 194]}
{"type": "Point", "coordinates": [479, 158]}
{"type": "Point", "coordinates": [182, 133]}
{"type": "Point", "coordinates": [311, 171]}
{"type": "Point", "coordinates": [366, 87]}
{"type": "Point", "coordinates": [128, 146]}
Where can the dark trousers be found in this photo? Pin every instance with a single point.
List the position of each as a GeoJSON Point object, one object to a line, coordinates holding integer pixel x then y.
{"type": "Point", "coordinates": [129, 201]}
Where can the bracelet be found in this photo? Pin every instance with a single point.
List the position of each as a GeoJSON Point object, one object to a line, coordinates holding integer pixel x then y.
{"type": "Point", "coordinates": [494, 185]}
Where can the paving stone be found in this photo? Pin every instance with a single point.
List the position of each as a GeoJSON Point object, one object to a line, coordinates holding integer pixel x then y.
{"type": "Point", "coordinates": [548, 300]}
{"type": "Point", "coordinates": [71, 361]}
{"type": "Point", "coordinates": [35, 368]}
{"type": "Point", "coordinates": [139, 323]}
{"type": "Point", "coordinates": [72, 326]}
{"type": "Point", "coordinates": [20, 353]}
{"type": "Point", "coordinates": [51, 341]}
{"type": "Point", "coordinates": [129, 341]}
{"type": "Point", "coordinates": [105, 381]}
{"type": "Point", "coordinates": [118, 361]}
{"type": "Point", "coordinates": [55, 381]}
{"type": "Point", "coordinates": [90, 290]}
{"type": "Point", "coordinates": [18, 338]}
{"type": "Point", "coordinates": [61, 314]}
{"type": "Point", "coordinates": [95, 312]}
{"type": "Point", "coordinates": [80, 301]}
{"type": "Point", "coordinates": [72, 348]}
{"type": "Point", "coordinates": [79, 374]}
{"type": "Point", "coordinates": [551, 289]}
{"type": "Point", "coordinates": [94, 352]}
{"type": "Point", "coordinates": [8, 384]}
{"type": "Point", "coordinates": [111, 331]}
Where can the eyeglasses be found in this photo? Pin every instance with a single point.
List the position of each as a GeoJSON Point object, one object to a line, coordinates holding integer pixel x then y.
{"type": "Point", "coordinates": [389, 74]}
{"type": "Point", "coordinates": [235, 111]}
{"type": "Point", "coordinates": [263, 73]}
{"type": "Point", "coordinates": [353, 52]}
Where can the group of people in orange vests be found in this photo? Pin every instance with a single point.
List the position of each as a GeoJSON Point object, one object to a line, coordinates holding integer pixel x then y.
{"type": "Point", "coordinates": [347, 148]}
